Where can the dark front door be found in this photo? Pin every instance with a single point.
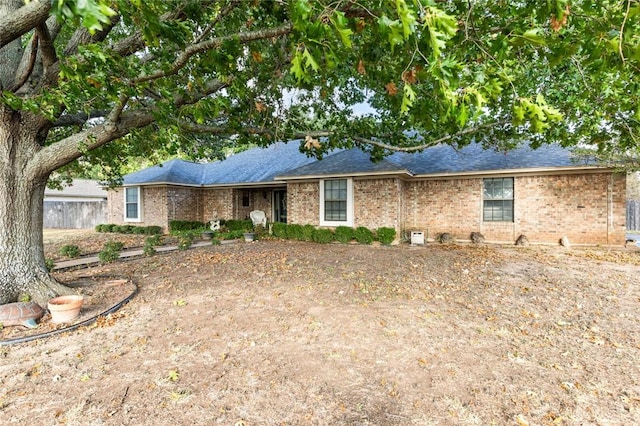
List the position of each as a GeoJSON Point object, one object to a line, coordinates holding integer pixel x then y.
{"type": "Point", "coordinates": [280, 206]}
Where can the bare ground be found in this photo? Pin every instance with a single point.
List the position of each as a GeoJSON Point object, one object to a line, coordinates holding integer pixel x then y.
{"type": "Point", "coordinates": [274, 332]}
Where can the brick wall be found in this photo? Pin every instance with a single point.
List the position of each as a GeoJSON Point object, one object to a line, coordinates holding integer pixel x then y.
{"type": "Point", "coordinates": [587, 208]}
{"type": "Point", "coordinates": [154, 207]}
{"type": "Point", "coordinates": [303, 203]}
{"type": "Point", "coordinates": [377, 203]}
{"type": "Point", "coordinates": [184, 203]}
{"type": "Point", "coordinates": [217, 202]}
{"type": "Point", "coordinates": [437, 206]}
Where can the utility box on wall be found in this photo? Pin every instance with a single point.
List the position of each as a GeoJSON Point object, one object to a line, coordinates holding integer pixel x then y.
{"type": "Point", "coordinates": [417, 238]}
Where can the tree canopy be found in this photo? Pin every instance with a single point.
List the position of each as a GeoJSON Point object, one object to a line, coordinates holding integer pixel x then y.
{"type": "Point", "coordinates": [115, 79]}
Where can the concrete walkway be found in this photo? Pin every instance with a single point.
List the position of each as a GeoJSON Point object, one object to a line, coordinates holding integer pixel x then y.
{"type": "Point", "coordinates": [94, 260]}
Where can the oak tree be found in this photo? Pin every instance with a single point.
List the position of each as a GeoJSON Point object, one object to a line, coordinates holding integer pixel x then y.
{"type": "Point", "coordinates": [94, 82]}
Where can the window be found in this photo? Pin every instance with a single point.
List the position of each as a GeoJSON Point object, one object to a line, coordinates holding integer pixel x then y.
{"type": "Point", "coordinates": [246, 199]}
{"type": "Point", "coordinates": [498, 200]}
{"type": "Point", "coordinates": [336, 202]}
{"type": "Point", "coordinates": [132, 205]}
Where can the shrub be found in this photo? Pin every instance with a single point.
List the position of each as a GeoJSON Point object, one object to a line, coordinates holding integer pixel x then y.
{"type": "Point", "coordinates": [153, 230]}
{"type": "Point", "coordinates": [363, 235]}
{"type": "Point", "coordinates": [110, 251]}
{"type": "Point", "coordinates": [49, 264]}
{"type": "Point", "coordinates": [70, 250]}
{"type": "Point", "coordinates": [177, 226]}
{"type": "Point", "coordinates": [343, 234]}
{"type": "Point", "coordinates": [232, 235]}
{"type": "Point", "coordinates": [121, 229]}
{"type": "Point", "coordinates": [105, 227]}
{"type": "Point", "coordinates": [260, 231]}
{"type": "Point", "coordinates": [138, 230]}
{"type": "Point", "coordinates": [184, 241]}
{"type": "Point", "coordinates": [100, 227]}
{"type": "Point", "coordinates": [386, 235]}
{"type": "Point", "coordinates": [306, 233]}
{"type": "Point", "coordinates": [294, 231]}
{"type": "Point", "coordinates": [239, 225]}
{"type": "Point", "coordinates": [148, 249]}
{"type": "Point", "coordinates": [322, 235]}
{"type": "Point", "coordinates": [154, 240]}
{"type": "Point", "coordinates": [280, 230]}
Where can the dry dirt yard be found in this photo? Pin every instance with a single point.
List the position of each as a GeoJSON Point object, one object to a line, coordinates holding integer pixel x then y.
{"type": "Point", "coordinates": [291, 333]}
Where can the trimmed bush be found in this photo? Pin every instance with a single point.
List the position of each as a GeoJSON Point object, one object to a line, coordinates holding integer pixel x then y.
{"type": "Point", "coordinates": [343, 234]}
{"type": "Point", "coordinates": [177, 226]}
{"type": "Point", "coordinates": [148, 249]}
{"type": "Point", "coordinates": [238, 225]}
{"type": "Point", "coordinates": [280, 230]}
{"type": "Point", "coordinates": [306, 233]}
{"type": "Point", "coordinates": [232, 235]}
{"type": "Point", "coordinates": [322, 235]}
{"type": "Point", "coordinates": [294, 231]}
{"type": "Point", "coordinates": [70, 250]}
{"type": "Point", "coordinates": [185, 241]}
{"type": "Point", "coordinates": [153, 230]}
{"type": "Point", "coordinates": [154, 240]}
{"type": "Point", "coordinates": [363, 235]}
{"type": "Point", "coordinates": [386, 235]}
{"type": "Point", "coordinates": [111, 251]}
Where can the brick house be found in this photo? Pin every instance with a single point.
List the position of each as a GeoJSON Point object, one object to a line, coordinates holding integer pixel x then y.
{"type": "Point", "coordinates": [545, 193]}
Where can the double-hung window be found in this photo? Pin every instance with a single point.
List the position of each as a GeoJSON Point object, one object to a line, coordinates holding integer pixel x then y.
{"type": "Point", "coordinates": [132, 204]}
{"type": "Point", "coordinates": [498, 200]}
{"type": "Point", "coordinates": [336, 202]}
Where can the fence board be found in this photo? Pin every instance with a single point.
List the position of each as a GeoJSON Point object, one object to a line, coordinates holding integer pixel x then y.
{"type": "Point", "coordinates": [633, 215]}
{"type": "Point", "coordinates": [74, 214]}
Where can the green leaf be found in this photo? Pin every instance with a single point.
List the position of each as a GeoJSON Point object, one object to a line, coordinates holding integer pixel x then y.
{"type": "Point", "coordinates": [296, 66]}
{"type": "Point", "coordinates": [310, 60]}
{"type": "Point", "coordinates": [533, 36]}
{"type": "Point", "coordinates": [408, 98]}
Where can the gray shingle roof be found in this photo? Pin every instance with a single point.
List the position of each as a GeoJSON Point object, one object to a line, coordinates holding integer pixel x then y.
{"type": "Point", "coordinates": [353, 161]}
{"type": "Point", "coordinates": [285, 161]}
{"type": "Point", "coordinates": [473, 158]}
{"type": "Point", "coordinates": [252, 166]}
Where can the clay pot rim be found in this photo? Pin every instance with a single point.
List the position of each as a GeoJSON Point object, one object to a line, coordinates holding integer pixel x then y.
{"type": "Point", "coordinates": [67, 299]}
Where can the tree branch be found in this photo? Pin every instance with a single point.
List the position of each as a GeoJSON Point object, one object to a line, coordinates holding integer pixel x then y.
{"type": "Point", "coordinates": [25, 69]}
{"type": "Point", "coordinates": [23, 20]}
{"type": "Point", "coordinates": [78, 119]}
{"type": "Point", "coordinates": [47, 50]}
{"type": "Point", "coordinates": [214, 43]}
{"type": "Point", "coordinates": [54, 156]}
{"type": "Point", "coordinates": [82, 36]}
{"type": "Point", "coordinates": [414, 148]}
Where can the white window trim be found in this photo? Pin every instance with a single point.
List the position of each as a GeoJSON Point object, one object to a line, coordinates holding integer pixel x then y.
{"type": "Point", "coordinates": [139, 213]}
{"type": "Point", "coordinates": [349, 221]}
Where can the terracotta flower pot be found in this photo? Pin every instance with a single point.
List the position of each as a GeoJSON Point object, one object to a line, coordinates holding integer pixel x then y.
{"type": "Point", "coordinates": [65, 308]}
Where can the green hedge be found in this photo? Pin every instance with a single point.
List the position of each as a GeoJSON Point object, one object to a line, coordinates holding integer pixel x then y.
{"type": "Point", "coordinates": [129, 229]}
{"type": "Point", "coordinates": [280, 230]}
{"type": "Point", "coordinates": [237, 225]}
{"type": "Point", "coordinates": [386, 235]}
{"type": "Point", "coordinates": [177, 226]}
{"type": "Point", "coordinates": [322, 235]}
{"type": "Point", "coordinates": [343, 234]}
{"type": "Point", "coordinates": [363, 235]}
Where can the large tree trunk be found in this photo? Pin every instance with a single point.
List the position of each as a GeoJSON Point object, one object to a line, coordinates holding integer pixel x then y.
{"type": "Point", "coordinates": [22, 263]}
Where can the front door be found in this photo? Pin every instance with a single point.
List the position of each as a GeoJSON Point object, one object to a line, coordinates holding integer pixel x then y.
{"type": "Point", "coordinates": [280, 206]}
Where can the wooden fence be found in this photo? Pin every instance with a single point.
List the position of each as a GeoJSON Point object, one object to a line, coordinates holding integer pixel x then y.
{"type": "Point", "coordinates": [74, 214]}
{"type": "Point", "coordinates": [633, 215]}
